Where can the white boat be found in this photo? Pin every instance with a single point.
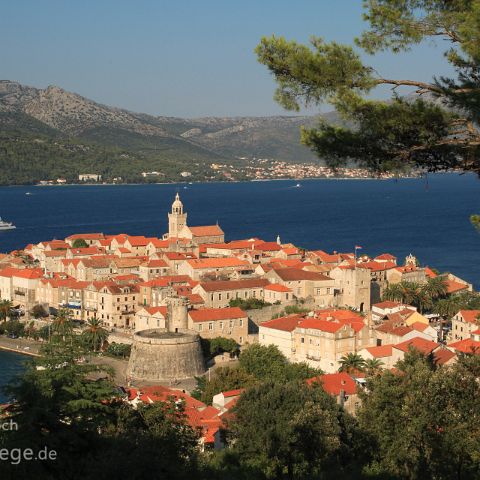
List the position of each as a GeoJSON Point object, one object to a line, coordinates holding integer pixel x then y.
{"type": "Point", "coordinates": [297, 185]}
{"type": "Point", "coordinates": [6, 225]}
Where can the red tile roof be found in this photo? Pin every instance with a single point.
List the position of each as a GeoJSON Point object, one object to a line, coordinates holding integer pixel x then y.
{"type": "Point", "coordinates": [286, 324]}
{"type": "Point", "coordinates": [29, 273]}
{"type": "Point", "coordinates": [322, 325]}
{"type": "Point", "coordinates": [430, 273]}
{"type": "Point", "coordinates": [380, 351]}
{"type": "Point", "coordinates": [154, 310]}
{"type": "Point", "coordinates": [214, 314]}
{"type": "Point", "coordinates": [268, 247]}
{"type": "Point", "coordinates": [453, 287]}
{"type": "Point", "coordinates": [275, 287]}
{"type": "Point", "coordinates": [423, 346]}
{"type": "Point", "coordinates": [470, 316]}
{"type": "Point", "coordinates": [195, 299]}
{"type": "Point", "coordinates": [467, 346]}
{"type": "Point", "coordinates": [294, 274]}
{"type": "Point", "coordinates": [156, 264]}
{"type": "Point", "coordinates": [419, 326]}
{"type": "Point", "coordinates": [206, 231]}
{"type": "Point", "coordinates": [334, 383]}
{"type": "Point", "coordinates": [386, 304]}
{"type": "Point", "coordinates": [442, 356]}
{"type": "Point", "coordinates": [233, 393]}
{"type": "Point", "coordinates": [377, 266]}
{"type": "Point", "coordinates": [385, 256]}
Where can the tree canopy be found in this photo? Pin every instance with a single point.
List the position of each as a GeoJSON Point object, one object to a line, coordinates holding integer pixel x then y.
{"type": "Point", "coordinates": [436, 128]}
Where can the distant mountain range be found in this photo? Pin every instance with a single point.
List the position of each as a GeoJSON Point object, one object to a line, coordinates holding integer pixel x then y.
{"type": "Point", "coordinates": [62, 122]}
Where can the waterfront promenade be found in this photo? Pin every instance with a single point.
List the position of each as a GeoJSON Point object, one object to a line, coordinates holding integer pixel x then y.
{"type": "Point", "coordinates": [25, 346]}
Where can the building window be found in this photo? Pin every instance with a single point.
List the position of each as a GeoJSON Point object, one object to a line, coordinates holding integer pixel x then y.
{"type": "Point", "coordinates": [221, 325]}
{"type": "Point", "coordinates": [240, 340]}
{"type": "Point", "coordinates": [200, 327]}
{"type": "Point", "coordinates": [241, 322]}
{"type": "Point", "coordinates": [302, 340]}
{"type": "Point", "coordinates": [231, 323]}
{"type": "Point", "coordinates": [219, 296]}
{"type": "Point", "coordinates": [210, 326]}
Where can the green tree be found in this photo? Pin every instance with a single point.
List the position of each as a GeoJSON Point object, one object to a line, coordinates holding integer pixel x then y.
{"type": "Point", "coordinates": [118, 349]}
{"type": "Point", "coordinates": [398, 133]}
{"type": "Point", "coordinates": [373, 366]}
{"type": "Point", "coordinates": [268, 363]}
{"type": "Point", "coordinates": [74, 409]}
{"type": "Point", "coordinates": [422, 422]}
{"type": "Point", "coordinates": [221, 344]}
{"type": "Point", "coordinates": [39, 311]}
{"type": "Point", "coordinates": [435, 287]}
{"type": "Point", "coordinates": [222, 379]}
{"type": "Point", "coordinates": [290, 431]}
{"type": "Point", "coordinates": [94, 334]}
{"type": "Point", "coordinates": [14, 327]}
{"type": "Point", "coordinates": [62, 324]}
{"type": "Point", "coordinates": [351, 362]}
{"type": "Point", "coordinates": [79, 243]}
{"type": "Point", "coordinates": [6, 307]}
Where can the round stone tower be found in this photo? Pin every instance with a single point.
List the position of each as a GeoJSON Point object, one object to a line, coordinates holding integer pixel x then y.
{"type": "Point", "coordinates": [167, 354]}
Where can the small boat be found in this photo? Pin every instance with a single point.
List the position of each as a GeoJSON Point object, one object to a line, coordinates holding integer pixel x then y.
{"type": "Point", "coordinates": [297, 185]}
{"type": "Point", "coordinates": [28, 193]}
{"type": "Point", "coordinates": [6, 225]}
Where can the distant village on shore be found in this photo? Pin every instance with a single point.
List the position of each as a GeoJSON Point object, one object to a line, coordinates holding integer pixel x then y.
{"type": "Point", "coordinates": [253, 170]}
{"type": "Point", "coordinates": [161, 295]}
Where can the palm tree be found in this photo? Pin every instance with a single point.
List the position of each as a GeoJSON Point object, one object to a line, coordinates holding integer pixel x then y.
{"type": "Point", "coordinates": [373, 366]}
{"type": "Point", "coordinates": [6, 307]}
{"type": "Point", "coordinates": [95, 335]}
{"type": "Point", "coordinates": [350, 362]}
{"type": "Point", "coordinates": [62, 325]}
{"type": "Point", "coordinates": [436, 287]}
{"type": "Point", "coordinates": [393, 292]}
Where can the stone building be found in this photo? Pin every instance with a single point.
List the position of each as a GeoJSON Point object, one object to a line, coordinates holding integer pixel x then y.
{"type": "Point", "coordinates": [218, 294]}
{"type": "Point", "coordinates": [220, 322]}
{"type": "Point", "coordinates": [178, 228]}
{"type": "Point", "coordinates": [352, 286]}
{"type": "Point", "coordinates": [304, 284]}
{"type": "Point", "coordinates": [464, 323]}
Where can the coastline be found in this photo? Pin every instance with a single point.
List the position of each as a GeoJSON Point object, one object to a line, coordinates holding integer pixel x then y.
{"type": "Point", "coordinates": [205, 182]}
{"type": "Point", "coordinates": [21, 346]}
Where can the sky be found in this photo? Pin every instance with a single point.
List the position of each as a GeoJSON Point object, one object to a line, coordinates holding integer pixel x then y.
{"type": "Point", "coordinates": [184, 58]}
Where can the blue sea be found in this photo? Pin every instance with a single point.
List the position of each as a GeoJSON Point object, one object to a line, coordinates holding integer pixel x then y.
{"type": "Point", "coordinates": [11, 365]}
{"type": "Point", "coordinates": [428, 217]}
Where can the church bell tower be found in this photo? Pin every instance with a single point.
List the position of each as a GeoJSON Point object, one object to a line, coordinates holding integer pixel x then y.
{"type": "Point", "coordinates": [177, 219]}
